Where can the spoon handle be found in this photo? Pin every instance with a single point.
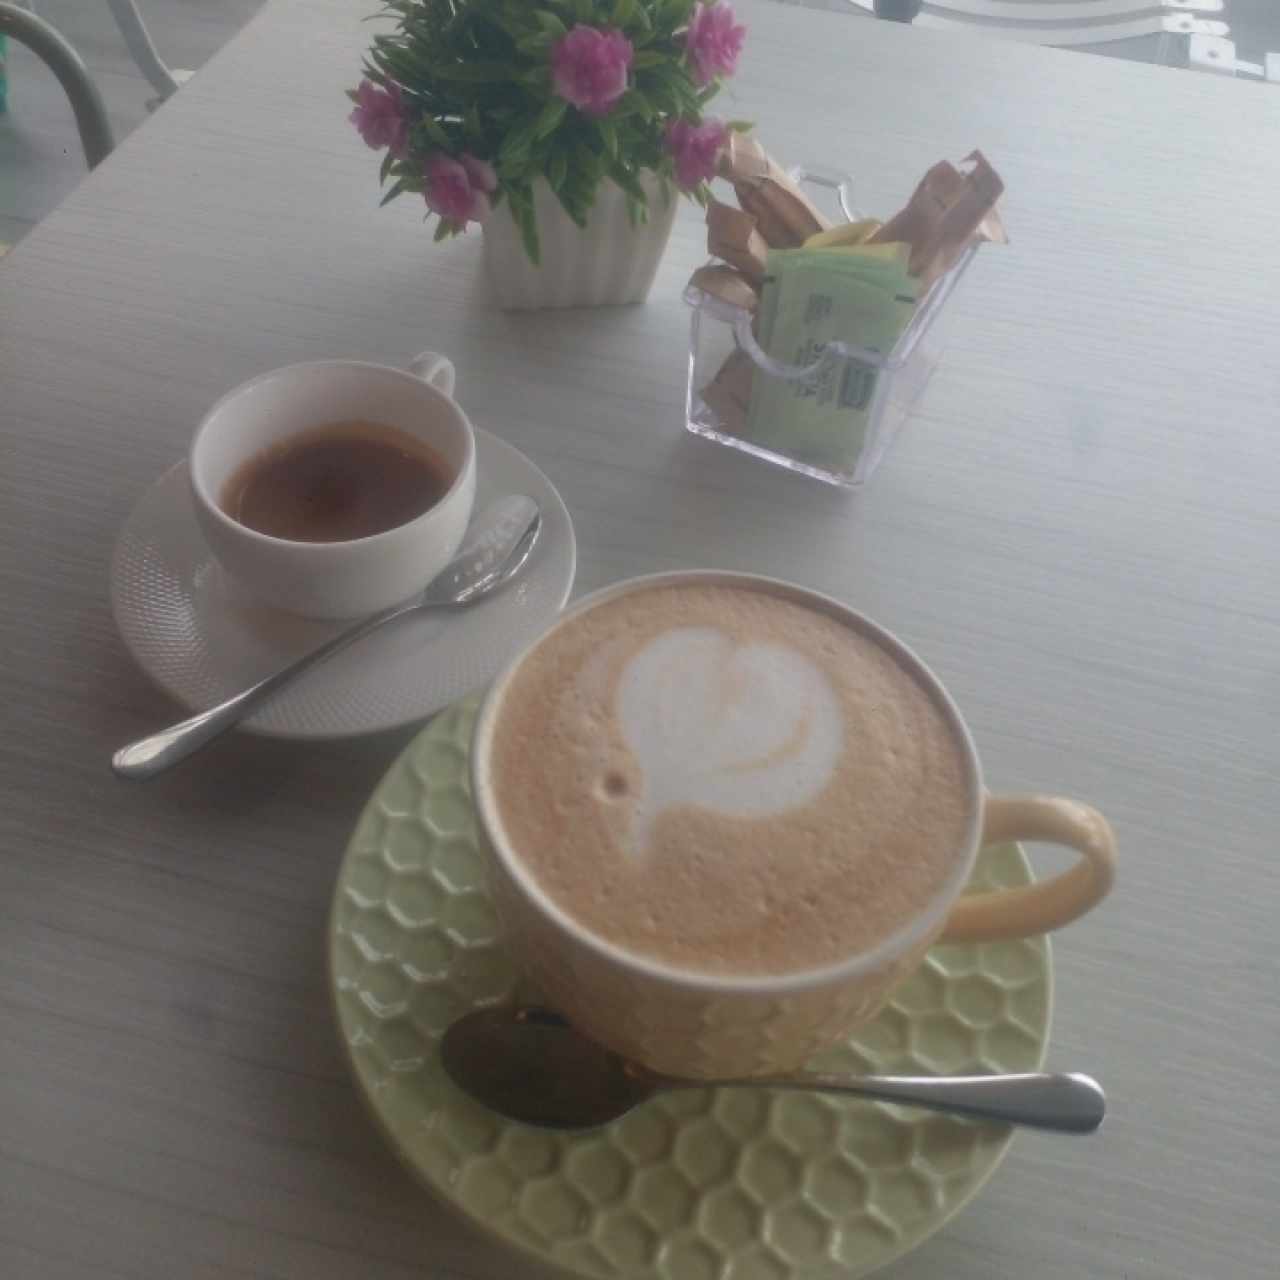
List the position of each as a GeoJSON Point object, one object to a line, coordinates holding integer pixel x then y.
{"type": "Point", "coordinates": [1062, 1102]}
{"type": "Point", "coordinates": [158, 751]}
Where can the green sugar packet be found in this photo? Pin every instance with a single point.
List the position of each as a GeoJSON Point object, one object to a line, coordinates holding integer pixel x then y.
{"type": "Point", "coordinates": [862, 296]}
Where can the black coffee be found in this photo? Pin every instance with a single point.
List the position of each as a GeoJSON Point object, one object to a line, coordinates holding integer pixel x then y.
{"type": "Point", "coordinates": [337, 483]}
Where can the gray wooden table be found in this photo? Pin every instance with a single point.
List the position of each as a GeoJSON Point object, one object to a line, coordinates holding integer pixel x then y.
{"type": "Point", "coordinates": [1079, 531]}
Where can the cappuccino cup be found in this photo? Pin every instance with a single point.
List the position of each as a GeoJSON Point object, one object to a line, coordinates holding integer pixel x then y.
{"type": "Point", "coordinates": [726, 815]}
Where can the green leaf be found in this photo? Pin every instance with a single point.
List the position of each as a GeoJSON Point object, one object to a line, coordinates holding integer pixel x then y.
{"type": "Point", "coordinates": [551, 24]}
{"type": "Point", "coordinates": [443, 231]}
{"type": "Point", "coordinates": [514, 168]}
{"type": "Point", "coordinates": [549, 118]}
{"type": "Point", "coordinates": [387, 161]}
{"type": "Point", "coordinates": [664, 99]}
{"type": "Point", "coordinates": [515, 146]}
{"type": "Point", "coordinates": [399, 187]}
{"type": "Point", "coordinates": [536, 46]}
{"type": "Point", "coordinates": [623, 12]}
{"type": "Point", "coordinates": [650, 58]}
{"type": "Point", "coordinates": [557, 169]}
{"type": "Point", "coordinates": [741, 126]}
{"type": "Point", "coordinates": [676, 12]}
{"type": "Point", "coordinates": [434, 133]}
{"type": "Point", "coordinates": [513, 15]}
{"type": "Point", "coordinates": [584, 10]}
{"type": "Point", "coordinates": [576, 204]}
{"type": "Point", "coordinates": [643, 107]}
{"type": "Point", "coordinates": [394, 64]}
{"type": "Point", "coordinates": [669, 73]}
{"type": "Point", "coordinates": [476, 72]}
{"type": "Point", "coordinates": [523, 133]}
{"type": "Point", "coordinates": [680, 87]}
{"type": "Point", "coordinates": [628, 182]}
{"type": "Point", "coordinates": [608, 135]}
{"type": "Point", "coordinates": [527, 221]}
{"type": "Point", "coordinates": [588, 165]}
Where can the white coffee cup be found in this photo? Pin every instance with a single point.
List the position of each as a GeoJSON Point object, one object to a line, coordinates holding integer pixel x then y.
{"type": "Point", "coordinates": [335, 579]}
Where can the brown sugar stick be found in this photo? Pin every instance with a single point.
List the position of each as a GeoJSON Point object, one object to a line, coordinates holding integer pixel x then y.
{"type": "Point", "coordinates": [785, 216]}
{"type": "Point", "coordinates": [728, 394]}
{"type": "Point", "coordinates": [728, 285]}
{"type": "Point", "coordinates": [732, 235]}
{"type": "Point", "coordinates": [947, 211]}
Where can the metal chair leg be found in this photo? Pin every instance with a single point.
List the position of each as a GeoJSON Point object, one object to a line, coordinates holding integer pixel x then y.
{"type": "Point", "coordinates": [65, 63]}
{"type": "Point", "coordinates": [898, 10]}
{"type": "Point", "coordinates": [143, 52]}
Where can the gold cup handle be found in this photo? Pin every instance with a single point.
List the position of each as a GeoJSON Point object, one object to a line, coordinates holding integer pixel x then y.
{"type": "Point", "coordinates": [1048, 904]}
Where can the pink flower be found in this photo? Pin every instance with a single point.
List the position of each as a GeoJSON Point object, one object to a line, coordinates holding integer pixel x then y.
{"type": "Point", "coordinates": [589, 68]}
{"type": "Point", "coordinates": [458, 189]}
{"type": "Point", "coordinates": [695, 149]}
{"type": "Point", "coordinates": [713, 41]}
{"type": "Point", "coordinates": [380, 117]}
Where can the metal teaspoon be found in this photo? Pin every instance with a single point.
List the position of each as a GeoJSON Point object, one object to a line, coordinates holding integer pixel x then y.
{"type": "Point", "coordinates": [529, 1065]}
{"type": "Point", "coordinates": [507, 532]}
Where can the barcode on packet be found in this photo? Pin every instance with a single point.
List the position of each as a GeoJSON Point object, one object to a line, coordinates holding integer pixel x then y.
{"type": "Point", "coordinates": [817, 308]}
{"type": "Point", "coordinates": [857, 382]}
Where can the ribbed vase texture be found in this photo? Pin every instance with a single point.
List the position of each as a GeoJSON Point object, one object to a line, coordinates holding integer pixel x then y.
{"type": "Point", "coordinates": [607, 263]}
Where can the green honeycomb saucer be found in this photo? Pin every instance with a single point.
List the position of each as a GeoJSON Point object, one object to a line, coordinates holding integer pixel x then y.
{"type": "Point", "coordinates": [704, 1185]}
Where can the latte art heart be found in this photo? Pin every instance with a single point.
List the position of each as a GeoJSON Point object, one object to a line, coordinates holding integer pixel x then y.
{"type": "Point", "coordinates": [745, 730]}
{"type": "Point", "coordinates": [727, 777]}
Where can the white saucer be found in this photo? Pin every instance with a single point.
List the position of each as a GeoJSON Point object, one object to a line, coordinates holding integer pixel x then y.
{"type": "Point", "coordinates": [196, 634]}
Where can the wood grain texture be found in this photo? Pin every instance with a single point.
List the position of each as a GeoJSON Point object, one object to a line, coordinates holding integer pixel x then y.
{"type": "Point", "coordinates": [1078, 532]}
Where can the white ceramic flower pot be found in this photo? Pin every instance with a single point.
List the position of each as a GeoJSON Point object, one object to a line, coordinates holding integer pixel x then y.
{"type": "Point", "coordinates": [607, 263]}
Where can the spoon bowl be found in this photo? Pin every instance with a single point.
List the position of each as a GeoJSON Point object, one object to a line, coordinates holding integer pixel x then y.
{"type": "Point", "coordinates": [529, 1065]}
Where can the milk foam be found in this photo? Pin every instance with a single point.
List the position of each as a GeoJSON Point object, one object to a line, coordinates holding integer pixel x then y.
{"type": "Point", "coordinates": [746, 730]}
{"type": "Point", "coordinates": [728, 780]}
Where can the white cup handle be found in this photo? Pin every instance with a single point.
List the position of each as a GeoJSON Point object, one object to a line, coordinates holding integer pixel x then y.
{"type": "Point", "coordinates": [436, 369]}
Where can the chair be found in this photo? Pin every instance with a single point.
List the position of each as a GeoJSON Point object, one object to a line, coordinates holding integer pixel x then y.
{"type": "Point", "coordinates": [65, 63]}
{"type": "Point", "coordinates": [1217, 55]}
{"type": "Point", "coordinates": [1124, 24]}
{"type": "Point", "coordinates": [143, 52]}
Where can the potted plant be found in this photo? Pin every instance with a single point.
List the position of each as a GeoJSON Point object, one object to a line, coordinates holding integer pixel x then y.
{"type": "Point", "coordinates": [562, 127]}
